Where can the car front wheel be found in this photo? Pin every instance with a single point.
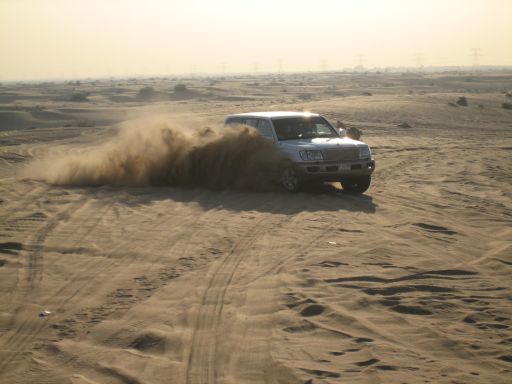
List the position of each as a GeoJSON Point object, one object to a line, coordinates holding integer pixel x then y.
{"type": "Point", "coordinates": [290, 179]}
{"type": "Point", "coordinates": [357, 184]}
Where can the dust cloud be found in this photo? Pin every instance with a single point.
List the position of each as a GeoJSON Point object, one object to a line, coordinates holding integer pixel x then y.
{"type": "Point", "coordinates": [156, 154]}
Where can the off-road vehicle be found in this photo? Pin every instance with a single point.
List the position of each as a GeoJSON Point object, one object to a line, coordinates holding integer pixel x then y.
{"type": "Point", "coordinates": [315, 151]}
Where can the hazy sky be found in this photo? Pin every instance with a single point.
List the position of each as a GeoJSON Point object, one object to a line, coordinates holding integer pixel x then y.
{"type": "Point", "coordinates": [73, 38]}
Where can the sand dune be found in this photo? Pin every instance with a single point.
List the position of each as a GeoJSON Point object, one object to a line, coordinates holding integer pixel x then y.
{"type": "Point", "coordinates": [156, 284]}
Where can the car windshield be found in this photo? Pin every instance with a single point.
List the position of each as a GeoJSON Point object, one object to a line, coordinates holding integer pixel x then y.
{"type": "Point", "coordinates": [307, 127]}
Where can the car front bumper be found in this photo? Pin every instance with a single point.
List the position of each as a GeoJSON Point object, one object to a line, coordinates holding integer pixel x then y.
{"type": "Point", "coordinates": [329, 171]}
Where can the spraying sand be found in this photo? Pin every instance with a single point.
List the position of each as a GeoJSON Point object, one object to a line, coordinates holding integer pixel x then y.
{"type": "Point", "coordinates": [150, 153]}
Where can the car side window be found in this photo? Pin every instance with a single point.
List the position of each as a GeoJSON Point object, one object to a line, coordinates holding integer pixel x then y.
{"type": "Point", "coordinates": [234, 121]}
{"type": "Point", "coordinates": [265, 129]}
{"type": "Point", "coordinates": [252, 122]}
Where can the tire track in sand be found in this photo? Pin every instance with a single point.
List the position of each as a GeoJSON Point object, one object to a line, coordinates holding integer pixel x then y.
{"type": "Point", "coordinates": [202, 359]}
{"type": "Point", "coordinates": [28, 330]}
{"type": "Point", "coordinates": [34, 263]}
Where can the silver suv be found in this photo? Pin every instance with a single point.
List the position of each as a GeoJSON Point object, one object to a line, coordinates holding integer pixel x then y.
{"type": "Point", "coordinates": [314, 149]}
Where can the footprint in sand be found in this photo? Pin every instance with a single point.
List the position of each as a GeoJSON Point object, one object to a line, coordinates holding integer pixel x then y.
{"type": "Point", "coordinates": [410, 310]}
{"type": "Point", "coordinates": [321, 374]}
{"type": "Point", "coordinates": [10, 248]}
{"type": "Point", "coordinates": [366, 363]}
{"type": "Point", "coordinates": [330, 264]}
{"type": "Point", "coordinates": [386, 367]}
{"type": "Point", "coordinates": [313, 310]}
{"type": "Point", "coordinates": [435, 228]}
{"type": "Point", "coordinates": [507, 358]}
{"type": "Point", "coordinates": [149, 342]}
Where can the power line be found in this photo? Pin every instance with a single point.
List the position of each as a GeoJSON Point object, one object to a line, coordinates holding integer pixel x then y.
{"type": "Point", "coordinates": [323, 65]}
{"type": "Point", "coordinates": [360, 59]}
{"type": "Point", "coordinates": [419, 59]}
{"type": "Point", "coordinates": [359, 65]}
{"type": "Point", "coordinates": [476, 53]}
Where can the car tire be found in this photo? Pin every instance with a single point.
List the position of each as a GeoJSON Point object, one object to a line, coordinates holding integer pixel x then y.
{"type": "Point", "coordinates": [289, 178]}
{"type": "Point", "coordinates": [359, 184]}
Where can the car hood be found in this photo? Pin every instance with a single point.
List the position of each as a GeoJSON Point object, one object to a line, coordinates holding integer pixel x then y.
{"type": "Point", "coordinates": [320, 143]}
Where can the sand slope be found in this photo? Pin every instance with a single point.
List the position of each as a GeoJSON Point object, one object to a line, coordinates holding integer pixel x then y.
{"type": "Point", "coordinates": [407, 283]}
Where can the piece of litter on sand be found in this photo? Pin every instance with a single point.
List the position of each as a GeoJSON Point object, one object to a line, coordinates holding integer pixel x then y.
{"type": "Point", "coordinates": [332, 242]}
{"type": "Point", "coordinates": [44, 313]}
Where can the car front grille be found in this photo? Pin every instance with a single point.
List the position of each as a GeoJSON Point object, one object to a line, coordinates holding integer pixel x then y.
{"type": "Point", "coordinates": [341, 154]}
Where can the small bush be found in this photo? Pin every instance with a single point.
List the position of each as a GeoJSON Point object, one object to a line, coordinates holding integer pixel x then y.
{"type": "Point", "coordinates": [78, 96]}
{"type": "Point", "coordinates": [506, 105]}
{"type": "Point", "coordinates": [180, 88]}
{"type": "Point", "coordinates": [146, 92]}
{"type": "Point", "coordinates": [85, 123]}
{"type": "Point", "coordinates": [462, 101]}
{"type": "Point", "coordinates": [354, 133]}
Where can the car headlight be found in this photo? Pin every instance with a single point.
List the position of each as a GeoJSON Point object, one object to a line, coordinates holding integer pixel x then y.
{"type": "Point", "coordinates": [311, 155]}
{"type": "Point", "coordinates": [365, 152]}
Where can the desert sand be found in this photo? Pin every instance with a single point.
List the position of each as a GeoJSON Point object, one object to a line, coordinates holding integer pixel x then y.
{"type": "Point", "coordinates": [146, 282]}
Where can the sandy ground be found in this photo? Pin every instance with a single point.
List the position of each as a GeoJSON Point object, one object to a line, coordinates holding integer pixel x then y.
{"type": "Point", "coordinates": [408, 283]}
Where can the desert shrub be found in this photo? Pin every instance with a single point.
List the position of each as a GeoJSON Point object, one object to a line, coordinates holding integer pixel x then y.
{"type": "Point", "coordinates": [506, 105]}
{"type": "Point", "coordinates": [354, 133]}
{"type": "Point", "coordinates": [462, 101]}
{"type": "Point", "coordinates": [85, 123]}
{"type": "Point", "coordinates": [78, 96]}
{"type": "Point", "coordinates": [305, 96]}
{"type": "Point", "coordinates": [180, 88]}
{"type": "Point", "coordinates": [146, 92]}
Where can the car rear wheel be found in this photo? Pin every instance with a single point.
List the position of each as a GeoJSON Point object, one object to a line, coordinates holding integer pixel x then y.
{"type": "Point", "coordinates": [359, 184]}
{"type": "Point", "coordinates": [289, 178]}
